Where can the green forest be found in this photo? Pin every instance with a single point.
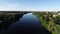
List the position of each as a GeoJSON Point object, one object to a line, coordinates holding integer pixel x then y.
{"type": "Point", "coordinates": [50, 20]}
{"type": "Point", "coordinates": [7, 18]}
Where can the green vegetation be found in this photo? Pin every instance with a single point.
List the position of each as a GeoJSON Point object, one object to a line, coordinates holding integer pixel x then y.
{"type": "Point", "coordinates": [7, 18]}
{"type": "Point", "coordinates": [50, 20]}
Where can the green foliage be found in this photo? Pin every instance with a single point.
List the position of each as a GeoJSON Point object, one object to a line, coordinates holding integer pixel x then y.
{"type": "Point", "coordinates": [8, 18]}
{"type": "Point", "coordinates": [48, 21]}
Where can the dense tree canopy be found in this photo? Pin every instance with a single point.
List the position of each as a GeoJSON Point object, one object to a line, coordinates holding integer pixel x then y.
{"type": "Point", "coordinates": [50, 20]}
{"type": "Point", "coordinates": [7, 18]}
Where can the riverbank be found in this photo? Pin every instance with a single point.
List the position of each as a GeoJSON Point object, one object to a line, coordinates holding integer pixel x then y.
{"type": "Point", "coordinates": [7, 18]}
{"type": "Point", "coordinates": [50, 20]}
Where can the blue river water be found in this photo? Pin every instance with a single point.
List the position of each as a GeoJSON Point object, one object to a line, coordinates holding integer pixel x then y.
{"type": "Point", "coordinates": [28, 24]}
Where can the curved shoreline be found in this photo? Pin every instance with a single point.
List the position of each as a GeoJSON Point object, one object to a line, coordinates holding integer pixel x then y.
{"type": "Point", "coordinates": [7, 18]}
{"type": "Point", "coordinates": [48, 21]}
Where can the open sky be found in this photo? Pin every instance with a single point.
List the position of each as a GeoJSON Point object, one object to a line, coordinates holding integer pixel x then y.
{"type": "Point", "coordinates": [30, 5]}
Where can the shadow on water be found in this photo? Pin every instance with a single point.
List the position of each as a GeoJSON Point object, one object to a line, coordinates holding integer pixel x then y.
{"type": "Point", "coordinates": [28, 24]}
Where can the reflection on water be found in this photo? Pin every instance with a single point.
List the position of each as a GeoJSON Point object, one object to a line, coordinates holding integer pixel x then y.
{"type": "Point", "coordinates": [28, 24]}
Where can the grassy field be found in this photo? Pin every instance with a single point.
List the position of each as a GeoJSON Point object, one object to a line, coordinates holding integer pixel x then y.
{"type": "Point", "coordinates": [50, 20]}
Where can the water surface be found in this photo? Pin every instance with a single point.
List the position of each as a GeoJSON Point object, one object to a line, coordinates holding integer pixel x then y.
{"type": "Point", "coordinates": [28, 24]}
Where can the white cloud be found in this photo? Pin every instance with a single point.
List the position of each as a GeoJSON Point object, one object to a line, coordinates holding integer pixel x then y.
{"type": "Point", "coordinates": [20, 7]}
{"type": "Point", "coordinates": [14, 4]}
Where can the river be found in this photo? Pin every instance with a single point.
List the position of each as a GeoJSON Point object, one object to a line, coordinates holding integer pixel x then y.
{"type": "Point", "coordinates": [28, 24]}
